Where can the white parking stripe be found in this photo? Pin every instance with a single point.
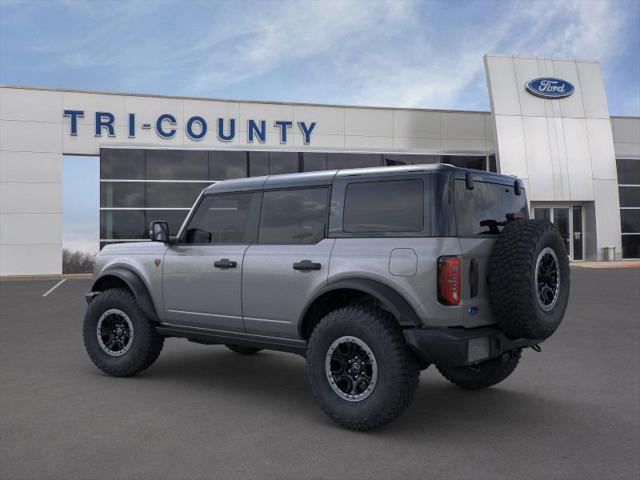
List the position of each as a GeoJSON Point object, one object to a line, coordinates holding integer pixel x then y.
{"type": "Point", "coordinates": [54, 287]}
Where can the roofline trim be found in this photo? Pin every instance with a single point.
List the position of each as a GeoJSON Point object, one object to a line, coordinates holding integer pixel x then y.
{"type": "Point", "coordinates": [229, 100]}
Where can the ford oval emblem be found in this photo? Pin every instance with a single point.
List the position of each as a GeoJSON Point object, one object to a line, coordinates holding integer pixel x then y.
{"type": "Point", "coordinates": [550, 87]}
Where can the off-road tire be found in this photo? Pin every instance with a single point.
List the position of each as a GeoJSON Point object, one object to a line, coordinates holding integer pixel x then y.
{"type": "Point", "coordinates": [398, 372]}
{"type": "Point", "coordinates": [145, 346]}
{"type": "Point", "coordinates": [243, 350]}
{"type": "Point", "coordinates": [512, 279]}
{"type": "Point", "coordinates": [483, 375]}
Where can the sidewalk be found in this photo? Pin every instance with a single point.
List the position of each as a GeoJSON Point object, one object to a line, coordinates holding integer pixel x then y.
{"type": "Point", "coordinates": [68, 276]}
{"type": "Point", "coordinates": [616, 264]}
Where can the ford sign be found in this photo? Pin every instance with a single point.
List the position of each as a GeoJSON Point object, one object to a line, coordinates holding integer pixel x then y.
{"type": "Point", "coordinates": [550, 87]}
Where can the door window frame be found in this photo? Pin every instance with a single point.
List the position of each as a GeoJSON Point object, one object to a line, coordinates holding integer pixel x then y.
{"type": "Point", "coordinates": [551, 206]}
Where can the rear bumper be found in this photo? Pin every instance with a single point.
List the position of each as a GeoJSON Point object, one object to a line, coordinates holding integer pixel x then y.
{"type": "Point", "coordinates": [461, 346]}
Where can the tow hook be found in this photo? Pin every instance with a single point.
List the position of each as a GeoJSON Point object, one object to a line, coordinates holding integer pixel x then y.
{"type": "Point", "coordinates": [536, 348]}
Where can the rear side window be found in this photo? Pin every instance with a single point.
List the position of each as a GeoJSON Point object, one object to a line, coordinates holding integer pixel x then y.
{"type": "Point", "coordinates": [481, 211]}
{"type": "Point", "coordinates": [294, 216]}
{"type": "Point", "coordinates": [385, 206]}
{"type": "Point", "coordinates": [224, 219]}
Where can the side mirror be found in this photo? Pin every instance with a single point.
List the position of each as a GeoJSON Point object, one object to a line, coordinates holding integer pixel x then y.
{"type": "Point", "coordinates": [159, 232]}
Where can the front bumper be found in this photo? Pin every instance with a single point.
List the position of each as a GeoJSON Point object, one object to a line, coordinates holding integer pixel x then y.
{"type": "Point", "coordinates": [461, 346]}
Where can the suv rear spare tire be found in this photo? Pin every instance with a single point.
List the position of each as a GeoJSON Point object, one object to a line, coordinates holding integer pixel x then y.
{"type": "Point", "coordinates": [529, 279]}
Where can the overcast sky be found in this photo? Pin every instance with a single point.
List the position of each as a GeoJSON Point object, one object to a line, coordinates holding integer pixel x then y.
{"type": "Point", "coordinates": [391, 53]}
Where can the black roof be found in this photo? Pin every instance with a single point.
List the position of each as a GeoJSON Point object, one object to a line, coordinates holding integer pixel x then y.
{"type": "Point", "coordinates": [327, 177]}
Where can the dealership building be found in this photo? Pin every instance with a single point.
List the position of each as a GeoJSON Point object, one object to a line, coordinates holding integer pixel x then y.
{"type": "Point", "coordinates": [549, 124]}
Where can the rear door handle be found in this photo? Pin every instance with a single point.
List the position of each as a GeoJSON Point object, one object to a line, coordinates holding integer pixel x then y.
{"type": "Point", "coordinates": [225, 263]}
{"type": "Point", "coordinates": [306, 265]}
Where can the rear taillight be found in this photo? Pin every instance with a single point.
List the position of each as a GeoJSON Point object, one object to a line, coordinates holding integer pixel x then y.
{"type": "Point", "coordinates": [449, 280]}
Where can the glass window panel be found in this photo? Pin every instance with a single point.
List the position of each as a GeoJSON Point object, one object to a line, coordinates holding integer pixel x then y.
{"type": "Point", "coordinates": [391, 160]}
{"type": "Point", "coordinates": [227, 164]}
{"type": "Point", "coordinates": [630, 221]}
{"type": "Point", "coordinates": [542, 213]}
{"type": "Point", "coordinates": [353, 160]}
{"type": "Point", "coordinates": [258, 164]}
{"type": "Point", "coordinates": [283, 162]}
{"type": "Point", "coordinates": [116, 224]}
{"type": "Point", "coordinates": [122, 164]}
{"type": "Point", "coordinates": [631, 246]}
{"type": "Point", "coordinates": [487, 202]}
{"type": "Point", "coordinates": [493, 164]}
{"type": "Point", "coordinates": [314, 161]}
{"type": "Point", "coordinates": [224, 219]}
{"type": "Point", "coordinates": [121, 194]}
{"type": "Point", "coordinates": [475, 162]}
{"type": "Point", "coordinates": [388, 206]}
{"type": "Point", "coordinates": [177, 165]}
{"type": "Point", "coordinates": [173, 217]}
{"type": "Point", "coordinates": [173, 195]}
{"type": "Point", "coordinates": [294, 216]}
{"type": "Point", "coordinates": [628, 171]}
{"type": "Point", "coordinates": [629, 196]}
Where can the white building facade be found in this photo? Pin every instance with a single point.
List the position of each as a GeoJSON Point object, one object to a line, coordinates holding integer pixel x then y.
{"type": "Point", "coordinates": [549, 124]}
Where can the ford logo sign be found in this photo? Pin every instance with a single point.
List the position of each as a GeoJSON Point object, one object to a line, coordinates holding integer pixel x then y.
{"type": "Point", "coordinates": [550, 87]}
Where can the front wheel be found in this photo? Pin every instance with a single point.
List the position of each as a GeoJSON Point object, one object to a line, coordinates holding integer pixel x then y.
{"type": "Point", "coordinates": [118, 337]}
{"type": "Point", "coordinates": [360, 369]}
{"type": "Point", "coordinates": [483, 375]}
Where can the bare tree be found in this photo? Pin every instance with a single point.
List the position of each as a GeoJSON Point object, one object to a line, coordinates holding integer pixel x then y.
{"type": "Point", "coordinates": [77, 262]}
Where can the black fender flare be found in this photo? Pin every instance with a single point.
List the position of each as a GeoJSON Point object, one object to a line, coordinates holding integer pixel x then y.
{"type": "Point", "coordinates": [387, 296]}
{"type": "Point", "coordinates": [135, 284]}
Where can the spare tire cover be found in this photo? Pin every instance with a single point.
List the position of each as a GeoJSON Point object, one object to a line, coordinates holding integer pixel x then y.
{"type": "Point", "coordinates": [529, 279]}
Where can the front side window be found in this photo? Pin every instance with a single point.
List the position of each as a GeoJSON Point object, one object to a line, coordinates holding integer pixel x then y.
{"type": "Point", "coordinates": [294, 216]}
{"type": "Point", "coordinates": [385, 206]}
{"type": "Point", "coordinates": [224, 219]}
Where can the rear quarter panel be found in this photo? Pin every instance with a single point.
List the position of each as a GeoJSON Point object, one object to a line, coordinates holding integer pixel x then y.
{"type": "Point", "coordinates": [371, 258]}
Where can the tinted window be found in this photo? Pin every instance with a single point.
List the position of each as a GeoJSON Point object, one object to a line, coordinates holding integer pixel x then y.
{"type": "Point", "coordinates": [628, 171]}
{"type": "Point", "coordinates": [475, 162]}
{"type": "Point", "coordinates": [630, 221]}
{"type": "Point", "coordinates": [629, 196]}
{"type": "Point", "coordinates": [294, 216]}
{"type": "Point", "coordinates": [123, 224]}
{"type": "Point", "coordinates": [487, 202]}
{"type": "Point", "coordinates": [122, 164]}
{"type": "Point", "coordinates": [391, 160]}
{"type": "Point", "coordinates": [353, 160]}
{"type": "Point", "coordinates": [114, 194]}
{"type": "Point", "coordinates": [283, 162]}
{"type": "Point", "coordinates": [177, 165]}
{"type": "Point", "coordinates": [224, 165]}
{"type": "Point", "coordinates": [173, 217]}
{"type": "Point", "coordinates": [224, 219]}
{"type": "Point", "coordinates": [258, 164]}
{"type": "Point", "coordinates": [388, 206]}
{"type": "Point", "coordinates": [314, 161]}
{"type": "Point", "coordinates": [631, 246]}
{"type": "Point", "coordinates": [173, 195]}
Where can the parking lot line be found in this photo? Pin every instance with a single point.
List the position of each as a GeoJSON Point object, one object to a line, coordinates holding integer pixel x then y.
{"type": "Point", "coordinates": [54, 287]}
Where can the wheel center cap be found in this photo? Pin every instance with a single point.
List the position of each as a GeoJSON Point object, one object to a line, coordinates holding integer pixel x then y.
{"type": "Point", "coordinates": [355, 367]}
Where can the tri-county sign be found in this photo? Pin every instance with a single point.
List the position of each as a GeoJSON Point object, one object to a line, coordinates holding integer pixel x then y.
{"type": "Point", "coordinates": [196, 127]}
{"type": "Point", "coordinates": [550, 87]}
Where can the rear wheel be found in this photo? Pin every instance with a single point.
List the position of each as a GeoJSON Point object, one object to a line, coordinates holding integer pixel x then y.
{"type": "Point", "coordinates": [241, 349]}
{"type": "Point", "coordinates": [483, 375]}
{"type": "Point", "coordinates": [360, 369]}
{"type": "Point", "coordinates": [118, 337]}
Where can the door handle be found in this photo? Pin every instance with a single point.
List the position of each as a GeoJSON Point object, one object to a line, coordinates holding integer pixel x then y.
{"type": "Point", "coordinates": [305, 265]}
{"type": "Point", "coordinates": [225, 263]}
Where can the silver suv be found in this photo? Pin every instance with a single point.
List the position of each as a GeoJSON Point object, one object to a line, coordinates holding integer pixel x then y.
{"type": "Point", "coordinates": [371, 274]}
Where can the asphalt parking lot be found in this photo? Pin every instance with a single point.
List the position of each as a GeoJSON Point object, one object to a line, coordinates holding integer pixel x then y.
{"type": "Point", "coordinates": [570, 412]}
